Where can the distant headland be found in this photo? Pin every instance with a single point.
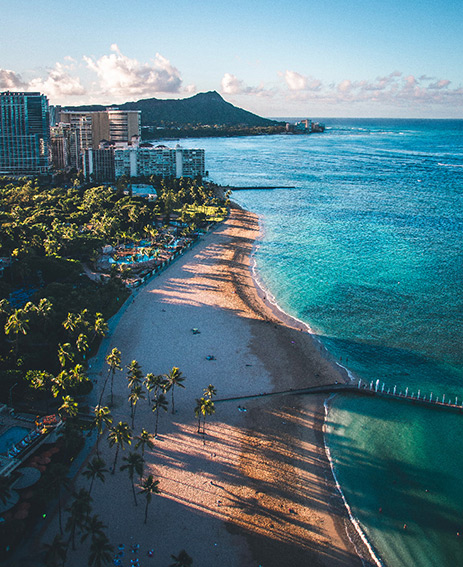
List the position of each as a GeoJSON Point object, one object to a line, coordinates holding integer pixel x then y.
{"type": "Point", "coordinates": [202, 115]}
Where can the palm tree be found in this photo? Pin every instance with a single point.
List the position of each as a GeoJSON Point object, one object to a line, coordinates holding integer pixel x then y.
{"type": "Point", "coordinates": [119, 435]}
{"type": "Point", "coordinates": [17, 324]}
{"type": "Point", "coordinates": [96, 468]}
{"type": "Point", "coordinates": [143, 439]}
{"type": "Point", "coordinates": [44, 307]}
{"type": "Point", "coordinates": [81, 320]}
{"type": "Point", "coordinates": [69, 407]}
{"type": "Point", "coordinates": [55, 552]}
{"type": "Point", "coordinates": [77, 375]}
{"type": "Point", "coordinates": [102, 418]}
{"type": "Point", "coordinates": [210, 392]}
{"type": "Point", "coordinates": [58, 479]}
{"type": "Point", "coordinates": [204, 407]}
{"type": "Point", "coordinates": [39, 380]}
{"type": "Point", "coordinates": [159, 403]}
{"type": "Point", "coordinates": [174, 378]}
{"type": "Point", "coordinates": [134, 463]}
{"type": "Point", "coordinates": [181, 560]}
{"type": "Point", "coordinates": [100, 327]}
{"type": "Point", "coordinates": [148, 488]}
{"type": "Point", "coordinates": [92, 527]}
{"type": "Point", "coordinates": [65, 354]}
{"type": "Point", "coordinates": [70, 323]}
{"type": "Point", "coordinates": [135, 394]}
{"type": "Point", "coordinates": [60, 383]}
{"type": "Point", "coordinates": [153, 382]}
{"type": "Point", "coordinates": [134, 375]}
{"type": "Point", "coordinates": [114, 361]}
{"type": "Point", "coordinates": [82, 343]}
{"type": "Point", "coordinates": [208, 409]}
{"type": "Point", "coordinates": [79, 511]}
{"type": "Point", "coordinates": [5, 307]}
{"type": "Point", "coordinates": [199, 411]}
{"type": "Point", "coordinates": [44, 310]}
{"type": "Point", "coordinates": [101, 552]}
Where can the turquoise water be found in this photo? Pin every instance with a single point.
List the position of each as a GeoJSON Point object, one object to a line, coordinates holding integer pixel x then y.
{"type": "Point", "coordinates": [12, 436]}
{"type": "Point", "coordinates": [367, 249]}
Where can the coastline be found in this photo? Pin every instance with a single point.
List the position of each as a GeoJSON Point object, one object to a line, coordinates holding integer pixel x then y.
{"type": "Point", "coordinates": [353, 529]}
{"type": "Point", "coordinates": [359, 533]}
{"type": "Point", "coordinates": [349, 526]}
{"type": "Point", "coordinates": [260, 490]}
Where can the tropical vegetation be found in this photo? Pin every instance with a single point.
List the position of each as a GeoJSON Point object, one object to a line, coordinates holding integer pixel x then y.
{"type": "Point", "coordinates": [53, 313]}
{"type": "Point", "coordinates": [53, 305]}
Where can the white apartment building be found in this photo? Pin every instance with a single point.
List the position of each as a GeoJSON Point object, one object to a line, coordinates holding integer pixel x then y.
{"type": "Point", "coordinates": [146, 160]}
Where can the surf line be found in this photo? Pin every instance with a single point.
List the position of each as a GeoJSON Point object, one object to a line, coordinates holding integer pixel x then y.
{"type": "Point", "coordinates": [352, 518]}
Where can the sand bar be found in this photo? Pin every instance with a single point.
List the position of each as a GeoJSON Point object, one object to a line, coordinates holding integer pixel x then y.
{"type": "Point", "coordinates": [260, 490]}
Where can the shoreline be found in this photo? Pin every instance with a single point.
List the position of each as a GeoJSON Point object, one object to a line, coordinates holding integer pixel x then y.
{"type": "Point", "coordinates": [359, 533]}
{"type": "Point", "coordinates": [268, 299]}
{"type": "Point", "coordinates": [259, 491]}
{"type": "Point", "coordinates": [354, 532]}
{"type": "Point", "coordinates": [358, 538]}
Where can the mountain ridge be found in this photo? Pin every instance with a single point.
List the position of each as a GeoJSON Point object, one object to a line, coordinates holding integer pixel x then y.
{"type": "Point", "coordinates": [203, 109]}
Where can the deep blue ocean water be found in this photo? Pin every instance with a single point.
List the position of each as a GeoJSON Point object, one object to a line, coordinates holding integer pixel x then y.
{"type": "Point", "coordinates": [367, 249]}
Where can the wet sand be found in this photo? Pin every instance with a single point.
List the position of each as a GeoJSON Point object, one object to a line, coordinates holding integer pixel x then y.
{"type": "Point", "coordinates": [257, 490]}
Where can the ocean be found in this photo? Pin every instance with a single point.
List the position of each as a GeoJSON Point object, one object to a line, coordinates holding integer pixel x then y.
{"type": "Point", "coordinates": [366, 246]}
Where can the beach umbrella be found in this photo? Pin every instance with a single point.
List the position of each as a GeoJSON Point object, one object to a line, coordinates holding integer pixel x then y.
{"type": "Point", "coordinates": [22, 511]}
{"type": "Point", "coordinates": [21, 514]}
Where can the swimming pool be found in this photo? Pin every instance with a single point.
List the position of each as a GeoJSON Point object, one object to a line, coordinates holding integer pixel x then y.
{"type": "Point", "coordinates": [12, 436]}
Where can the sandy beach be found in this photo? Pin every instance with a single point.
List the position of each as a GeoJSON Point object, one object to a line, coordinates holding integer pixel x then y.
{"type": "Point", "coordinates": [259, 491]}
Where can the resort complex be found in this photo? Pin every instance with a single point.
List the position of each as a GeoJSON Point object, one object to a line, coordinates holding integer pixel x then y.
{"type": "Point", "coordinates": [38, 139]}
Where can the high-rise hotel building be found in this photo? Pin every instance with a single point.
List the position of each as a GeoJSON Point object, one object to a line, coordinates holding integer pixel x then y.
{"type": "Point", "coordinates": [24, 133]}
{"type": "Point", "coordinates": [89, 128]}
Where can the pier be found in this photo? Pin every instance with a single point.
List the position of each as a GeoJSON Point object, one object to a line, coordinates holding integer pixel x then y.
{"type": "Point", "coordinates": [256, 188]}
{"type": "Point", "coordinates": [361, 388]}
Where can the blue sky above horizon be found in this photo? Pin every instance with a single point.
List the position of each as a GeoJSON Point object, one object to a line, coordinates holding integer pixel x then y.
{"type": "Point", "coordinates": [296, 58]}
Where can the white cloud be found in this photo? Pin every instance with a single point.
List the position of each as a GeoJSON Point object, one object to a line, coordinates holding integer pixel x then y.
{"type": "Point", "coordinates": [345, 86]}
{"type": "Point", "coordinates": [442, 84]}
{"type": "Point", "coordinates": [410, 82]}
{"type": "Point", "coordinates": [119, 75]}
{"type": "Point", "coordinates": [295, 81]}
{"type": "Point", "coordinates": [298, 82]}
{"type": "Point", "coordinates": [394, 89]}
{"type": "Point", "coordinates": [58, 84]}
{"type": "Point", "coordinates": [10, 80]}
{"type": "Point", "coordinates": [231, 85]}
{"type": "Point", "coordinates": [191, 89]}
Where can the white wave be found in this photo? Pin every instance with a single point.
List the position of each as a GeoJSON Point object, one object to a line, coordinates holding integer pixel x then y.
{"type": "Point", "coordinates": [352, 518]}
{"type": "Point", "coordinates": [270, 298]}
{"type": "Point", "coordinates": [349, 373]}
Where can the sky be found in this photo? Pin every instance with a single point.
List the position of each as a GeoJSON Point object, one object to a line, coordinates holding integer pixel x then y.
{"type": "Point", "coordinates": [305, 58]}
